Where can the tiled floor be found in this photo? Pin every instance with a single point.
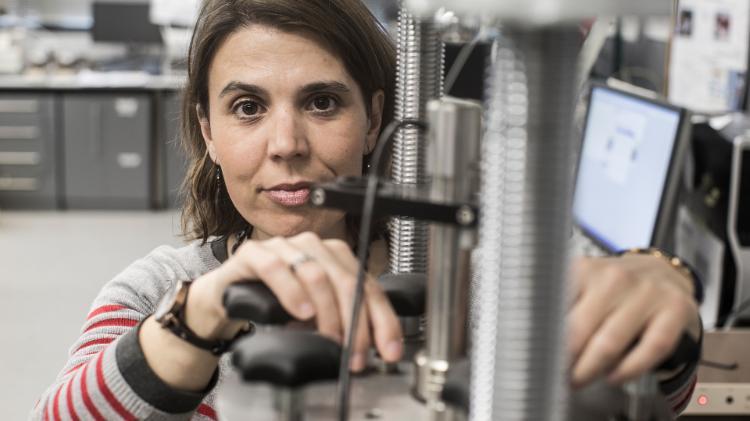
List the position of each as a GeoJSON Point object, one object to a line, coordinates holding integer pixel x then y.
{"type": "Point", "coordinates": [52, 266]}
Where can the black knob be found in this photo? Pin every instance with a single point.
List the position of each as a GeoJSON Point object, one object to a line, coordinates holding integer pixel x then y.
{"type": "Point", "coordinates": [289, 359]}
{"type": "Point", "coordinates": [687, 351]}
{"type": "Point", "coordinates": [456, 389]}
{"type": "Point", "coordinates": [406, 292]}
{"type": "Point", "coordinates": [254, 301]}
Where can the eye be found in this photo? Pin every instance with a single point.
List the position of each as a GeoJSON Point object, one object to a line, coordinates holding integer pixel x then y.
{"type": "Point", "coordinates": [250, 108]}
{"type": "Point", "coordinates": [323, 104]}
{"type": "Point", "coordinates": [247, 108]}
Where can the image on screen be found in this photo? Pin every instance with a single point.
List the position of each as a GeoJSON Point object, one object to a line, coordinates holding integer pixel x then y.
{"type": "Point", "coordinates": [625, 159]}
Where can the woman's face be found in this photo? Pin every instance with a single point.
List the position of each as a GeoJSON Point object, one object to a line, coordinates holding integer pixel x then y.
{"type": "Point", "coordinates": [285, 113]}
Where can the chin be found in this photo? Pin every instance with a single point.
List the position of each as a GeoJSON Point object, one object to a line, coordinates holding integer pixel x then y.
{"type": "Point", "coordinates": [289, 224]}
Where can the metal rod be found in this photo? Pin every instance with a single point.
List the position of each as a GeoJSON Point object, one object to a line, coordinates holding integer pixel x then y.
{"type": "Point", "coordinates": [520, 298]}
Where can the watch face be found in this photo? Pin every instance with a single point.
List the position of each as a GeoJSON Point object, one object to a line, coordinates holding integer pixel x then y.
{"type": "Point", "coordinates": [167, 302]}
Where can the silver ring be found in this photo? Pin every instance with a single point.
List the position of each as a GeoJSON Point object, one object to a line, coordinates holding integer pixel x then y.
{"type": "Point", "coordinates": [301, 259]}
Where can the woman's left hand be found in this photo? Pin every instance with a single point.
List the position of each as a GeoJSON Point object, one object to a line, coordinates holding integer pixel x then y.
{"type": "Point", "coordinates": [621, 301]}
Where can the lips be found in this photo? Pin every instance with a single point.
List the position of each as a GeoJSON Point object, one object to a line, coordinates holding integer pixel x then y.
{"type": "Point", "coordinates": [289, 194]}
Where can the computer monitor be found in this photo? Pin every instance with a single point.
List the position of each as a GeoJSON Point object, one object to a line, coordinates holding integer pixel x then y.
{"type": "Point", "coordinates": [628, 169]}
{"type": "Point", "coordinates": [124, 22]}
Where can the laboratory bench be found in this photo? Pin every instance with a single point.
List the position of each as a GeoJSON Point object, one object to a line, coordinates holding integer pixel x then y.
{"type": "Point", "coordinates": [90, 141]}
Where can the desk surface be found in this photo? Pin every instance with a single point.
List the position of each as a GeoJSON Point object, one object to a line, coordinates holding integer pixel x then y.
{"type": "Point", "coordinates": [92, 80]}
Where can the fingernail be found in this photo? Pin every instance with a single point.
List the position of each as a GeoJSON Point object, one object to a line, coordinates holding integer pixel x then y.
{"type": "Point", "coordinates": [358, 362]}
{"type": "Point", "coordinates": [306, 310]}
{"type": "Point", "coordinates": [393, 349]}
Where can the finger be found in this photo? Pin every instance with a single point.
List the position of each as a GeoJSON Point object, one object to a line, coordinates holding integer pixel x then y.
{"type": "Point", "coordinates": [613, 338]}
{"type": "Point", "coordinates": [344, 284]}
{"type": "Point", "coordinates": [275, 273]}
{"type": "Point", "coordinates": [658, 342]}
{"type": "Point", "coordinates": [315, 281]}
{"type": "Point", "coordinates": [595, 303]}
{"type": "Point", "coordinates": [386, 327]}
{"type": "Point", "coordinates": [347, 283]}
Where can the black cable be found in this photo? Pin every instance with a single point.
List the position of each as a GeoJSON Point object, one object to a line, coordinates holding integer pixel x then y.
{"type": "Point", "coordinates": [719, 365]}
{"type": "Point", "coordinates": [362, 251]}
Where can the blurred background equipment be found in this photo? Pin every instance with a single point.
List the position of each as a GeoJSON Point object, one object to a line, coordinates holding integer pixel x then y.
{"type": "Point", "coordinates": [710, 45]}
{"type": "Point", "coordinates": [712, 231]}
{"type": "Point", "coordinates": [89, 121]}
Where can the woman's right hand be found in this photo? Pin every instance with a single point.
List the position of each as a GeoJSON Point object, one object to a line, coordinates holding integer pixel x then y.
{"type": "Point", "coordinates": [321, 287]}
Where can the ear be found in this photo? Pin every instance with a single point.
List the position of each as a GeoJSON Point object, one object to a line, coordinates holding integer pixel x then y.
{"type": "Point", "coordinates": [206, 131]}
{"type": "Point", "coordinates": [375, 120]}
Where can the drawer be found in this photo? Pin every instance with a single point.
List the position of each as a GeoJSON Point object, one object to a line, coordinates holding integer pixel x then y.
{"type": "Point", "coordinates": [44, 170]}
{"type": "Point", "coordinates": [19, 184]}
{"type": "Point", "coordinates": [31, 145]}
{"type": "Point", "coordinates": [10, 104]}
{"type": "Point", "coordinates": [21, 111]}
{"type": "Point", "coordinates": [19, 132]}
{"type": "Point", "coordinates": [20, 158]}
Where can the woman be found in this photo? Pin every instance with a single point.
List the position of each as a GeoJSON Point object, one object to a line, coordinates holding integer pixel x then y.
{"type": "Point", "coordinates": [282, 94]}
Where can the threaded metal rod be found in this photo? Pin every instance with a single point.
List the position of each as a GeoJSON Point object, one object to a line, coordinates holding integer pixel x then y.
{"type": "Point", "coordinates": [518, 357]}
{"type": "Point", "coordinates": [419, 79]}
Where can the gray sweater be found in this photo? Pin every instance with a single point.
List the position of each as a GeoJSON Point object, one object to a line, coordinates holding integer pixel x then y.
{"type": "Point", "coordinates": [107, 377]}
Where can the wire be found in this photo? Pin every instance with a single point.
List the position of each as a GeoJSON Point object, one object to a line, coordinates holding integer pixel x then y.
{"type": "Point", "coordinates": [719, 365]}
{"type": "Point", "coordinates": [362, 250]}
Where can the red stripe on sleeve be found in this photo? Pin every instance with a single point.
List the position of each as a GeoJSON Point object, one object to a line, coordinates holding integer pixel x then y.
{"type": "Point", "coordinates": [69, 399]}
{"type": "Point", "coordinates": [207, 411]}
{"type": "Point", "coordinates": [101, 341]}
{"type": "Point", "coordinates": [112, 323]}
{"type": "Point", "coordinates": [56, 405]}
{"type": "Point", "coordinates": [116, 405]}
{"type": "Point", "coordinates": [683, 403]}
{"type": "Point", "coordinates": [104, 309]}
{"type": "Point", "coordinates": [75, 368]}
{"type": "Point", "coordinates": [87, 399]}
{"type": "Point", "coordinates": [46, 411]}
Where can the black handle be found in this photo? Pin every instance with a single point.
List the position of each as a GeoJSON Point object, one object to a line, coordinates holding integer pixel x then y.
{"type": "Point", "coordinates": [407, 292]}
{"type": "Point", "coordinates": [456, 389]}
{"type": "Point", "coordinates": [687, 351]}
{"type": "Point", "coordinates": [254, 301]}
{"type": "Point", "coordinates": [287, 358]}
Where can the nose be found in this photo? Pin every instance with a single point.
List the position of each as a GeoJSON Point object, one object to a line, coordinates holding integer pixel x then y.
{"type": "Point", "coordinates": [287, 137]}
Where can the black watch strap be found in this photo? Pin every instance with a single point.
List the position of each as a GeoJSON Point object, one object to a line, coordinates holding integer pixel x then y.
{"type": "Point", "coordinates": [176, 324]}
{"type": "Point", "coordinates": [216, 347]}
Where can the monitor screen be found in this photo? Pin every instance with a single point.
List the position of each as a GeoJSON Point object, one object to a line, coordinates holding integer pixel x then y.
{"type": "Point", "coordinates": [625, 160]}
{"type": "Point", "coordinates": [124, 22]}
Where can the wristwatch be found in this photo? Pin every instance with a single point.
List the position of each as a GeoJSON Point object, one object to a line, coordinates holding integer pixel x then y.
{"type": "Point", "coordinates": [170, 314]}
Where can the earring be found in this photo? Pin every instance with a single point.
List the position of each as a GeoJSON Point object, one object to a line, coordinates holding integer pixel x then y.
{"type": "Point", "coordinates": [218, 178]}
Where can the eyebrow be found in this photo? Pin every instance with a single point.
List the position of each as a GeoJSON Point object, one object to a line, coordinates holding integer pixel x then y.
{"type": "Point", "coordinates": [235, 86]}
{"type": "Point", "coordinates": [330, 86]}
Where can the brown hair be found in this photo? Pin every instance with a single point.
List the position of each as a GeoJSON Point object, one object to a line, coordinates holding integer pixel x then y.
{"type": "Point", "coordinates": [345, 26]}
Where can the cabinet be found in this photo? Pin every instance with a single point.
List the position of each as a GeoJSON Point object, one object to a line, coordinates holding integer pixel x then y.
{"type": "Point", "coordinates": [107, 155]}
{"type": "Point", "coordinates": [28, 151]}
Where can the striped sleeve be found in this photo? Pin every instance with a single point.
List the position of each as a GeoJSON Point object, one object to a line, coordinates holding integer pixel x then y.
{"type": "Point", "coordinates": [106, 376]}
{"type": "Point", "coordinates": [679, 389]}
{"type": "Point", "coordinates": [88, 387]}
